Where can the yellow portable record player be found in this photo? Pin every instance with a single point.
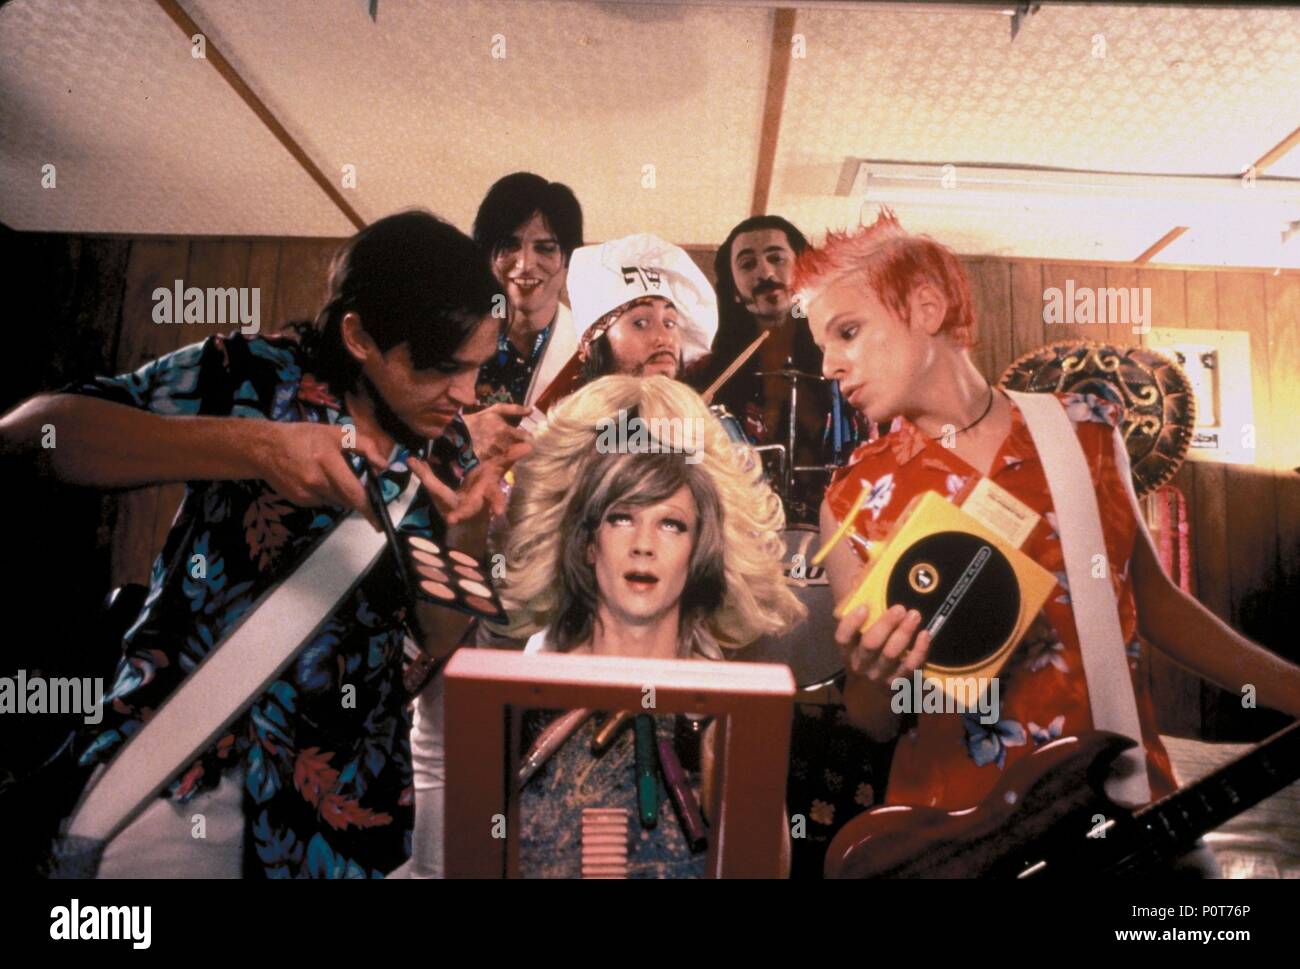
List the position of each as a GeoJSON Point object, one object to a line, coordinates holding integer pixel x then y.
{"type": "Point", "coordinates": [977, 593]}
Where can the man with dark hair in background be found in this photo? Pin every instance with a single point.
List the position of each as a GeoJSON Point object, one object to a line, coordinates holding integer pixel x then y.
{"type": "Point", "coordinates": [528, 227]}
{"type": "Point", "coordinates": [753, 267]}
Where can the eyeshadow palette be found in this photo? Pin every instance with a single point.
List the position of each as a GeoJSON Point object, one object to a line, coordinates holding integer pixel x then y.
{"type": "Point", "coordinates": [448, 577]}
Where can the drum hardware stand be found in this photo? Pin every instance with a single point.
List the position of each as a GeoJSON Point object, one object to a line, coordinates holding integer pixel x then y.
{"type": "Point", "coordinates": [779, 450]}
{"type": "Point", "coordinates": [793, 376]}
{"type": "Point", "coordinates": [794, 427]}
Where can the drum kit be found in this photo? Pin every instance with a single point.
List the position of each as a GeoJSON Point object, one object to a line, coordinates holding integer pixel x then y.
{"type": "Point", "coordinates": [809, 649]}
{"type": "Point", "coordinates": [779, 459]}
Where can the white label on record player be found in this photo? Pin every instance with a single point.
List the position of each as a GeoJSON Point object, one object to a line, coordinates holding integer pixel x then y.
{"type": "Point", "coordinates": [996, 508]}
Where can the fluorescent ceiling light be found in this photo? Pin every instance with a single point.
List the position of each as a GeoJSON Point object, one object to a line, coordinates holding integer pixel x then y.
{"type": "Point", "coordinates": [902, 182]}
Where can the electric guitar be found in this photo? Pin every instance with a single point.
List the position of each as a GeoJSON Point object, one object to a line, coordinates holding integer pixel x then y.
{"type": "Point", "coordinates": [1049, 815]}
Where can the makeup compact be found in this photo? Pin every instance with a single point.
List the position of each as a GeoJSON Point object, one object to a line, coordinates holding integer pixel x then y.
{"type": "Point", "coordinates": [449, 577]}
{"type": "Point", "coordinates": [446, 577]}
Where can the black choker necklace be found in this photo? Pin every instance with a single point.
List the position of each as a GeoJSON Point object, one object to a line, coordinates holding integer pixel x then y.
{"type": "Point", "coordinates": [987, 407]}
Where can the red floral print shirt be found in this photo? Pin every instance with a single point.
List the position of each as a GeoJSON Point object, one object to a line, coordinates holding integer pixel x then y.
{"type": "Point", "coordinates": [952, 760]}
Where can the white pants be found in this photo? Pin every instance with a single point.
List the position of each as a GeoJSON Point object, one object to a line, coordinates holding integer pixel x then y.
{"type": "Point", "coordinates": [428, 762]}
{"type": "Point", "coordinates": [162, 843]}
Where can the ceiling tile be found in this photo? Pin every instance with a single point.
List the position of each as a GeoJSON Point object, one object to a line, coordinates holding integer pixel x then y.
{"type": "Point", "coordinates": [588, 94]}
{"type": "Point", "coordinates": [143, 137]}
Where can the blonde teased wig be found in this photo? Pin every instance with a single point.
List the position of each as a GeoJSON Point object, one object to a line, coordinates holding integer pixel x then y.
{"type": "Point", "coordinates": [538, 591]}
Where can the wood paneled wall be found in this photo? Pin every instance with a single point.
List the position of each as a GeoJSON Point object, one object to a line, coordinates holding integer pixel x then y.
{"type": "Point", "coordinates": [86, 307]}
{"type": "Point", "coordinates": [93, 298]}
{"type": "Point", "coordinates": [290, 275]}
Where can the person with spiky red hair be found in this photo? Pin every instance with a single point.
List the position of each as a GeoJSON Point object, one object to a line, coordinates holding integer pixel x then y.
{"type": "Point", "coordinates": [892, 313]}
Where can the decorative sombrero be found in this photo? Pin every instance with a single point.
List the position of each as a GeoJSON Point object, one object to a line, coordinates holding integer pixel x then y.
{"type": "Point", "coordinates": [1156, 397]}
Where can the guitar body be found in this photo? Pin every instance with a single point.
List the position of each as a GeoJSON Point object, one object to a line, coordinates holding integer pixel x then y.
{"type": "Point", "coordinates": [1043, 806]}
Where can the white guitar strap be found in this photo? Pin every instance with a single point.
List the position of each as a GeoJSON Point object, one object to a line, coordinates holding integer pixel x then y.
{"type": "Point", "coordinates": [237, 671]}
{"type": "Point", "coordinates": [1096, 612]}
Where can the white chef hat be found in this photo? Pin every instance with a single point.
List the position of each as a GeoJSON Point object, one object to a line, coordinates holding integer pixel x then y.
{"type": "Point", "coordinates": [602, 278]}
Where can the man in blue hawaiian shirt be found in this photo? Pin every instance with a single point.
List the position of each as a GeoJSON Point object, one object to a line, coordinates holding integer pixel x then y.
{"type": "Point", "coordinates": [270, 436]}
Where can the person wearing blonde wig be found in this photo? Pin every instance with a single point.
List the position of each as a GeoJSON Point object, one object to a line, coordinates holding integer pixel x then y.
{"type": "Point", "coordinates": [646, 553]}
{"type": "Point", "coordinates": [556, 530]}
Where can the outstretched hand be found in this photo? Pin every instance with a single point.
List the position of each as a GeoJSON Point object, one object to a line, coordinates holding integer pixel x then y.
{"type": "Point", "coordinates": [480, 491]}
{"type": "Point", "coordinates": [494, 430]}
{"type": "Point", "coordinates": [306, 464]}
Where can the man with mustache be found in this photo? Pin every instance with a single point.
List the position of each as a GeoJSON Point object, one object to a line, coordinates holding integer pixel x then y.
{"type": "Point", "coordinates": [753, 267]}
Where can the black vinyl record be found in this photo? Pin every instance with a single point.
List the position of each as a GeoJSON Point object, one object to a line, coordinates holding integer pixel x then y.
{"type": "Point", "coordinates": [966, 592]}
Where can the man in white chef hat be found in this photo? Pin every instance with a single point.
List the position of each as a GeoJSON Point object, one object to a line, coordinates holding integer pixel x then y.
{"type": "Point", "coordinates": [640, 307]}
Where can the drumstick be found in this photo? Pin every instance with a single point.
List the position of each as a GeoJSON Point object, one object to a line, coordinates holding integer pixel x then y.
{"type": "Point", "coordinates": [858, 595]}
{"type": "Point", "coordinates": [735, 365]}
{"type": "Point", "coordinates": [844, 528]}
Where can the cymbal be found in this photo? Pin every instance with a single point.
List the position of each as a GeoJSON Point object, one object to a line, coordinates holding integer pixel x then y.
{"type": "Point", "coordinates": [789, 373]}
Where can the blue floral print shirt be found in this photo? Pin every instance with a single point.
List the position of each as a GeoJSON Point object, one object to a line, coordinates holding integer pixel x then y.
{"type": "Point", "coordinates": [504, 379]}
{"type": "Point", "coordinates": [326, 750]}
